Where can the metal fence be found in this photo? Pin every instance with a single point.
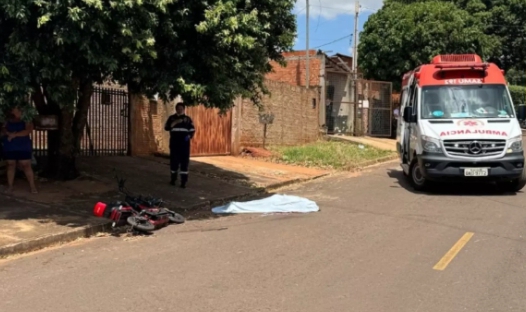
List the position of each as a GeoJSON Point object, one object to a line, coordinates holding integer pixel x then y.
{"type": "Point", "coordinates": [106, 131]}
{"type": "Point", "coordinates": [375, 108]}
{"type": "Point", "coordinates": [370, 101]}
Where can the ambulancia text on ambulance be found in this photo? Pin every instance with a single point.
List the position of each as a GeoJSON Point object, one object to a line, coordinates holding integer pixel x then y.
{"type": "Point", "coordinates": [458, 122]}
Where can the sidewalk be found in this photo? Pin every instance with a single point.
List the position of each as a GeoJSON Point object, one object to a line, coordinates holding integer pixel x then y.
{"type": "Point", "coordinates": [381, 143]}
{"type": "Point", "coordinates": [61, 208]}
{"type": "Point", "coordinates": [28, 226]}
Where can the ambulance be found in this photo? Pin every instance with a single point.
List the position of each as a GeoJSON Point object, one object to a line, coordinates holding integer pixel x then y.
{"type": "Point", "coordinates": [458, 124]}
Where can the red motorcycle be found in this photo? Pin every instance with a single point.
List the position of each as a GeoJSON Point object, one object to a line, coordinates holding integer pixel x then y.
{"type": "Point", "coordinates": [143, 213]}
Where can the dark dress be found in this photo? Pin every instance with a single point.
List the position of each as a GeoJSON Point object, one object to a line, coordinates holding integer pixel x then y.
{"type": "Point", "coordinates": [19, 148]}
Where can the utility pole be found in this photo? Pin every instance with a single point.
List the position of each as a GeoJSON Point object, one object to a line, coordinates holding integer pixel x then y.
{"type": "Point", "coordinates": [355, 69]}
{"type": "Point", "coordinates": [307, 65]}
{"type": "Point", "coordinates": [355, 37]}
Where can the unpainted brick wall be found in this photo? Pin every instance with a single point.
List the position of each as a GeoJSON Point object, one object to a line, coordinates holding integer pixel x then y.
{"type": "Point", "coordinates": [295, 121]}
{"type": "Point", "coordinates": [147, 125]}
{"type": "Point", "coordinates": [142, 132]}
{"type": "Point", "coordinates": [295, 71]}
{"type": "Point", "coordinates": [295, 118]}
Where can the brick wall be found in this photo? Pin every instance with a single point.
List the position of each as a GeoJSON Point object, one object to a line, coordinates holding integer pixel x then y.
{"type": "Point", "coordinates": [295, 118]}
{"type": "Point", "coordinates": [295, 71]}
{"type": "Point", "coordinates": [295, 121]}
{"type": "Point", "coordinates": [146, 135]}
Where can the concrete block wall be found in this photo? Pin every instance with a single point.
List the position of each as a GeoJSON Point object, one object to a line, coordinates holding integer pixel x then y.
{"type": "Point", "coordinates": [295, 117]}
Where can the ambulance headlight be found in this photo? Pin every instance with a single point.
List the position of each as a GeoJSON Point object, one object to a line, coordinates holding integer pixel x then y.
{"type": "Point", "coordinates": [515, 145]}
{"type": "Point", "coordinates": [431, 145]}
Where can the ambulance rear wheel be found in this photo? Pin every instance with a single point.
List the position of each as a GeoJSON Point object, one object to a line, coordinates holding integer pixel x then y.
{"type": "Point", "coordinates": [416, 177]}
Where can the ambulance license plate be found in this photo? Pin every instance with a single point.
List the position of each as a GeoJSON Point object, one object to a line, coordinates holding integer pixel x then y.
{"type": "Point", "coordinates": [476, 172]}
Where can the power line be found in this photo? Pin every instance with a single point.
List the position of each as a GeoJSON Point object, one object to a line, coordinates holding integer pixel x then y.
{"type": "Point", "coordinates": [300, 10]}
{"type": "Point", "coordinates": [319, 15]}
{"type": "Point", "coordinates": [334, 41]}
{"type": "Point", "coordinates": [347, 9]}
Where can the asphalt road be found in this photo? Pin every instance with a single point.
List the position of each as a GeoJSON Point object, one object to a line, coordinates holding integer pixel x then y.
{"type": "Point", "coordinates": [375, 246]}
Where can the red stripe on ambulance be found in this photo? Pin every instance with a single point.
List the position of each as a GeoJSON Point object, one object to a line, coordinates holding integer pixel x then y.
{"type": "Point", "coordinates": [468, 131]}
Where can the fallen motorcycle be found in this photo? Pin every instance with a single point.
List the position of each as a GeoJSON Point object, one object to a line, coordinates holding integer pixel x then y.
{"type": "Point", "coordinates": [144, 214]}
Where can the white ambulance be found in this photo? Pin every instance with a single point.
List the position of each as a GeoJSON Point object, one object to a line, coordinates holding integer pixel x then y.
{"type": "Point", "coordinates": [458, 124]}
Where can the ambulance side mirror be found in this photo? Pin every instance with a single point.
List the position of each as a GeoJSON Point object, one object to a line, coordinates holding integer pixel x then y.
{"type": "Point", "coordinates": [408, 114]}
{"type": "Point", "coordinates": [521, 112]}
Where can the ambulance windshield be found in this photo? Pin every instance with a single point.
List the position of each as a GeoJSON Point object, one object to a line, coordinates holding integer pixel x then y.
{"type": "Point", "coordinates": [465, 101]}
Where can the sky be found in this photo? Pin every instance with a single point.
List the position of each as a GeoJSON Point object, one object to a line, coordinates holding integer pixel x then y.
{"type": "Point", "coordinates": [331, 24]}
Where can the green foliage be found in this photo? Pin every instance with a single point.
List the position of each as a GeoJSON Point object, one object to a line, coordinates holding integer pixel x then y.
{"type": "Point", "coordinates": [518, 94]}
{"type": "Point", "coordinates": [409, 31]}
{"type": "Point", "coordinates": [516, 77]}
{"type": "Point", "coordinates": [509, 25]}
{"type": "Point", "coordinates": [206, 51]}
{"type": "Point", "coordinates": [399, 37]}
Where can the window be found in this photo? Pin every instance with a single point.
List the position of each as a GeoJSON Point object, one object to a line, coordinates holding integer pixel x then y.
{"type": "Point", "coordinates": [465, 101]}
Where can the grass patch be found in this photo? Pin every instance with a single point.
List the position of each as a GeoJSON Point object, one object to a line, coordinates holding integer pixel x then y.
{"type": "Point", "coordinates": [328, 155]}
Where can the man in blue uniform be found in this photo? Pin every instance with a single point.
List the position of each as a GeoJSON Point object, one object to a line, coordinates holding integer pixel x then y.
{"type": "Point", "coordinates": [182, 130]}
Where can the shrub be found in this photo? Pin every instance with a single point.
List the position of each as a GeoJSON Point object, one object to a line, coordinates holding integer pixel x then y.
{"type": "Point", "coordinates": [518, 94]}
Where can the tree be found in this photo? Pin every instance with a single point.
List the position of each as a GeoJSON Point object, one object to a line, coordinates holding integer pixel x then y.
{"type": "Point", "coordinates": [508, 24]}
{"type": "Point", "coordinates": [399, 37]}
{"type": "Point", "coordinates": [207, 52]}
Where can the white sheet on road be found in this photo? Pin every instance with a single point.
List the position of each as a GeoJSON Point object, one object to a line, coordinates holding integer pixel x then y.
{"type": "Point", "coordinates": [272, 204]}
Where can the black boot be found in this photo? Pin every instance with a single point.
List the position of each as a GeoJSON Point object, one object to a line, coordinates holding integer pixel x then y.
{"type": "Point", "coordinates": [184, 179]}
{"type": "Point", "coordinates": [173, 178]}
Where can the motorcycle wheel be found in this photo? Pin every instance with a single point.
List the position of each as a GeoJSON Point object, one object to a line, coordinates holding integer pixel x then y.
{"type": "Point", "coordinates": [176, 218]}
{"type": "Point", "coordinates": [140, 224]}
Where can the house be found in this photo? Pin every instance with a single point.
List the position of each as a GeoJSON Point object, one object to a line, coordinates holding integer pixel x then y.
{"type": "Point", "coordinates": [124, 124]}
{"type": "Point", "coordinates": [336, 83]}
{"type": "Point", "coordinates": [331, 75]}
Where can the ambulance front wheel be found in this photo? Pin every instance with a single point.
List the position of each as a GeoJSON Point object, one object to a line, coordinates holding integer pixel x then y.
{"type": "Point", "coordinates": [416, 177]}
{"type": "Point", "coordinates": [515, 185]}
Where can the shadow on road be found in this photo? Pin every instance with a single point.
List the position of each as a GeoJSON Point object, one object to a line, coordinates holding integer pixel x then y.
{"type": "Point", "coordinates": [451, 188]}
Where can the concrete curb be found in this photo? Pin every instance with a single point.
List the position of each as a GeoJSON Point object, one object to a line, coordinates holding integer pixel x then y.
{"type": "Point", "coordinates": [369, 144]}
{"type": "Point", "coordinates": [366, 164]}
{"type": "Point", "coordinates": [105, 226]}
{"type": "Point", "coordinates": [254, 193]}
{"type": "Point", "coordinates": [53, 239]}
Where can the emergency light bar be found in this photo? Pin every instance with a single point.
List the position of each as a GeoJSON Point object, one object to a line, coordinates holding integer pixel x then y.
{"type": "Point", "coordinates": [456, 58]}
{"type": "Point", "coordinates": [482, 66]}
{"type": "Point", "coordinates": [479, 67]}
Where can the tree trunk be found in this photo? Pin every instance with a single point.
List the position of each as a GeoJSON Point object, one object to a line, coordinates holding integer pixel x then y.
{"type": "Point", "coordinates": [67, 169]}
{"type": "Point", "coordinates": [81, 115]}
{"type": "Point", "coordinates": [61, 150]}
{"type": "Point", "coordinates": [64, 144]}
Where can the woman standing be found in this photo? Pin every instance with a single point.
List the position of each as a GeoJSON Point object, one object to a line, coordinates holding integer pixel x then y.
{"type": "Point", "coordinates": [18, 148]}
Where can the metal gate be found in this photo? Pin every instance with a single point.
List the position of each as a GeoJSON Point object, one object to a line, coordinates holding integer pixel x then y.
{"type": "Point", "coordinates": [374, 108]}
{"type": "Point", "coordinates": [106, 131]}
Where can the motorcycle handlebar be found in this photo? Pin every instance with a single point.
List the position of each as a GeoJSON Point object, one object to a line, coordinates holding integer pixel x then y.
{"type": "Point", "coordinates": [121, 186]}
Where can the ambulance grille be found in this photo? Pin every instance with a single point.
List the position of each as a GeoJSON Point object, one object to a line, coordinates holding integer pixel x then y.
{"type": "Point", "coordinates": [475, 148]}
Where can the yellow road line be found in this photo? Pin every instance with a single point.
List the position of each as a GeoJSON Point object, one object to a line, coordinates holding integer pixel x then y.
{"type": "Point", "coordinates": [446, 259]}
